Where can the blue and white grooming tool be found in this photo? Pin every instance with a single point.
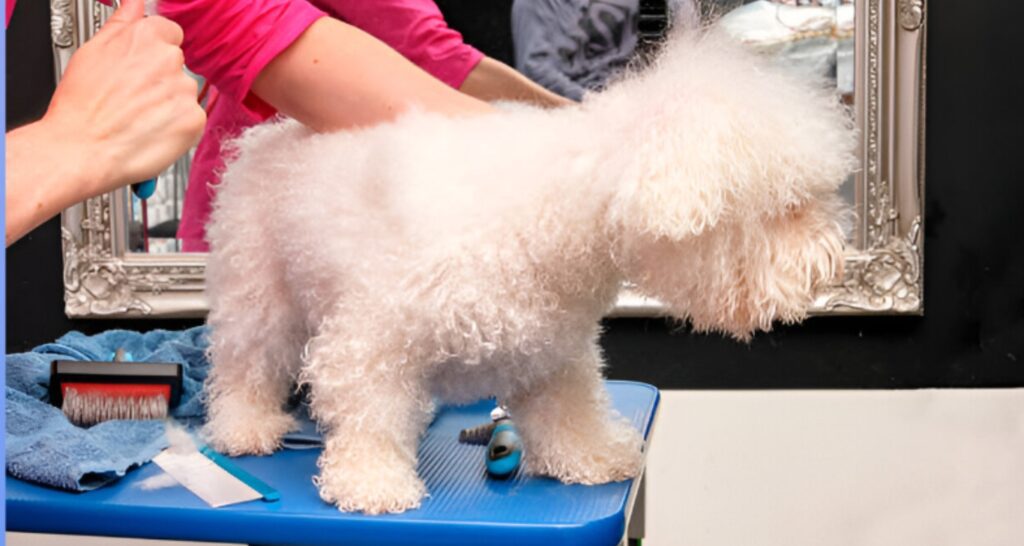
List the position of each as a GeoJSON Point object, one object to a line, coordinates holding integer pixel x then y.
{"type": "Point", "coordinates": [269, 493]}
{"type": "Point", "coordinates": [504, 446]}
{"type": "Point", "coordinates": [212, 477]}
{"type": "Point", "coordinates": [146, 188]}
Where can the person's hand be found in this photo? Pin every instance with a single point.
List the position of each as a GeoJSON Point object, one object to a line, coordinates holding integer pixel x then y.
{"type": "Point", "coordinates": [125, 101]}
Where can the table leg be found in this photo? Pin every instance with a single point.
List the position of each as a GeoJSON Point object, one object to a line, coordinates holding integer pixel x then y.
{"type": "Point", "coordinates": [636, 523]}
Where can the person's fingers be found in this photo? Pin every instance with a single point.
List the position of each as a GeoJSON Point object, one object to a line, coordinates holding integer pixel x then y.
{"type": "Point", "coordinates": [195, 122]}
{"type": "Point", "coordinates": [164, 28]}
{"type": "Point", "coordinates": [191, 85]}
{"type": "Point", "coordinates": [164, 59]}
{"type": "Point", "coordinates": [184, 88]}
{"type": "Point", "coordinates": [130, 11]}
{"type": "Point", "coordinates": [190, 115]}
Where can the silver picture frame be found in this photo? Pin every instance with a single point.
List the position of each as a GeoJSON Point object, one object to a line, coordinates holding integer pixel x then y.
{"type": "Point", "coordinates": [883, 266]}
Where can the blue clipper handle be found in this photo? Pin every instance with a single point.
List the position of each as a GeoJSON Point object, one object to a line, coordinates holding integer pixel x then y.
{"type": "Point", "coordinates": [504, 451]}
{"type": "Point", "coordinates": [144, 189]}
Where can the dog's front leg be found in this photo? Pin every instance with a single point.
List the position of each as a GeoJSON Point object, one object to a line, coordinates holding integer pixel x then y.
{"type": "Point", "coordinates": [374, 408]}
{"type": "Point", "coordinates": [569, 430]}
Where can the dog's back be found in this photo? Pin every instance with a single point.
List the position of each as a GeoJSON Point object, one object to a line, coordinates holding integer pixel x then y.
{"type": "Point", "coordinates": [417, 190]}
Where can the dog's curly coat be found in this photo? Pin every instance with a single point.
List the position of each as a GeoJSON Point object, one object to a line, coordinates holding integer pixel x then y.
{"type": "Point", "coordinates": [461, 258]}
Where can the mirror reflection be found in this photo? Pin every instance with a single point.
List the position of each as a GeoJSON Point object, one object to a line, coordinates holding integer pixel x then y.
{"type": "Point", "coordinates": [564, 48]}
{"type": "Point", "coordinates": [812, 36]}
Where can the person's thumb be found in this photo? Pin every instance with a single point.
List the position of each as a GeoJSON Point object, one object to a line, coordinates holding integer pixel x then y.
{"type": "Point", "coordinates": [130, 11]}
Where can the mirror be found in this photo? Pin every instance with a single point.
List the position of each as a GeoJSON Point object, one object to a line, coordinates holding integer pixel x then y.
{"type": "Point", "coordinates": [124, 256]}
{"type": "Point", "coordinates": [811, 36]}
{"type": "Point", "coordinates": [815, 37]}
{"type": "Point", "coordinates": [580, 48]}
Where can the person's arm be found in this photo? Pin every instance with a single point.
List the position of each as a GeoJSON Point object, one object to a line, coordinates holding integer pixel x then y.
{"type": "Point", "coordinates": [123, 111]}
{"type": "Point", "coordinates": [285, 55]}
{"type": "Point", "coordinates": [493, 80]}
{"type": "Point", "coordinates": [46, 173]}
{"type": "Point", "coordinates": [336, 76]}
{"type": "Point", "coordinates": [417, 30]}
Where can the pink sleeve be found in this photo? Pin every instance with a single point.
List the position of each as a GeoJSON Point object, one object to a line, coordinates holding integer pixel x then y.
{"type": "Point", "coordinates": [230, 41]}
{"type": "Point", "coordinates": [416, 29]}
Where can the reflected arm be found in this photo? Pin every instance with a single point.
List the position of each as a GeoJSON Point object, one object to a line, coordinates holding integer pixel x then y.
{"type": "Point", "coordinates": [493, 80]}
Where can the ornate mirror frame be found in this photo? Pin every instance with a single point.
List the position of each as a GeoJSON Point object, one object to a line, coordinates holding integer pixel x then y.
{"type": "Point", "coordinates": [101, 279]}
{"type": "Point", "coordinates": [883, 273]}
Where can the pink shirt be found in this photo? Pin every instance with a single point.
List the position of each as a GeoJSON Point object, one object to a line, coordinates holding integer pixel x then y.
{"type": "Point", "coordinates": [415, 28]}
{"type": "Point", "coordinates": [230, 41]}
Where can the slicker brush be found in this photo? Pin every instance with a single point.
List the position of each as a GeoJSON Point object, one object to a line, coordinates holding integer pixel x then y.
{"type": "Point", "coordinates": [92, 392]}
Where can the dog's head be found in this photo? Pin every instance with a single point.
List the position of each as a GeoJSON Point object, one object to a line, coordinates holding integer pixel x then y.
{"type": "Point", "coordinates": [725, 209]}
{"type": "Point", "coordinates": [740, 275]}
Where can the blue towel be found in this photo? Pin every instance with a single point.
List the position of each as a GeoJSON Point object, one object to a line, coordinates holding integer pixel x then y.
{"type": "Point", "coordinates": [44, 447]}
{"type": "Point", "coordinates": [307, 436]}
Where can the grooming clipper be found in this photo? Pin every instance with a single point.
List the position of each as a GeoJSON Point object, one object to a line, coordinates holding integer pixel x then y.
{"type": "Point", "coordinates": [504, 447]}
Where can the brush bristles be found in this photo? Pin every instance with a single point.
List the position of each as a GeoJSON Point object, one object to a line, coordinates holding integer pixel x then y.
{"type": "Point", "coordinates": [87, 409]}
{"type": "Point", "coordinates": [478, 435]}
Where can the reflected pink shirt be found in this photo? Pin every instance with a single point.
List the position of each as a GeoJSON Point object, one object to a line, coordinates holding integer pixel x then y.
{"type": "Point", "coordinates": [415, 28]}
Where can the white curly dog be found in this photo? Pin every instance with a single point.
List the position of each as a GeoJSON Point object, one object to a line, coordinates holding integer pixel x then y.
{"type": "Point", "coordinates": [451, 259]}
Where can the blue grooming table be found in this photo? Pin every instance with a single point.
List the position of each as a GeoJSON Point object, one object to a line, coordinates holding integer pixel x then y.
{"type": "Point", "coordinates": [464, 508]}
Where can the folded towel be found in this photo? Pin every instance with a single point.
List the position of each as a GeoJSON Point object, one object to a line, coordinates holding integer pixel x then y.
{"type": "Point", "coordinates": [43, 446]}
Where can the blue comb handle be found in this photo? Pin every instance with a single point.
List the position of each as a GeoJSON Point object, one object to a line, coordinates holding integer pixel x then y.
{"type": "Point", "coordinates": [269, 493]}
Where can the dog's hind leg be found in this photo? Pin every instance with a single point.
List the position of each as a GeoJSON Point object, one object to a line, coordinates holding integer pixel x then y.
{"type": "Point", "coordinates": [255, 349]}
{"type": "Point", "coordinates": [568, 427]}
{"type": "Point", "coordinates": [370, 396]}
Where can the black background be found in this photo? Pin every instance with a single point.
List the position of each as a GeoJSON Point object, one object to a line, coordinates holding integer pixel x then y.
{"type": "Point", "coordinates": [972, 334]}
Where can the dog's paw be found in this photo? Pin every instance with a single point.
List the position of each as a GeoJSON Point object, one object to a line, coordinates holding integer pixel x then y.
{"type": "Point", "coordinates": [373, 488]}
{"type": "Point", "coordinates": [612, 455]}
{"type": "Point", "coordinates": [247, 432]}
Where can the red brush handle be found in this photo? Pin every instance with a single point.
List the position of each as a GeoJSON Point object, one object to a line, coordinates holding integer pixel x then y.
{"type": "Point", "coordinates": [115, 390]}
